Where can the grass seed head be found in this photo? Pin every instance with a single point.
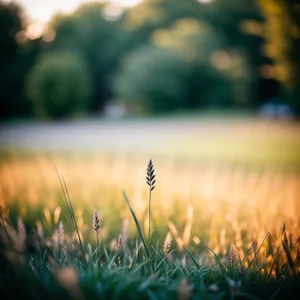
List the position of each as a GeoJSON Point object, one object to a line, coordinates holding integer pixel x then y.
{"type": "Point", "coordinates": [150, 178]}
{"type": "Point", "coordinates": [131, 260]}
{"type": "Point", "coordinates": [96, 222]}
{"type": "Point", "coordinates": [61, 233]}
{"type": "Point", "coordinates": [167, 243]}
{"type": "Point", "coordinates": [120, 242]}
{"type": "Point", "coordinates": [56, 215]}
{"type": "Point", "coordinates": [232, 255]}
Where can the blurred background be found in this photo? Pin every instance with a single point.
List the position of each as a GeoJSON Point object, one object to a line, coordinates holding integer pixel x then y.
{"type": "Point", "coordinates": [132, 57]}
{"type": "Point", "coordinates": [209, 89]}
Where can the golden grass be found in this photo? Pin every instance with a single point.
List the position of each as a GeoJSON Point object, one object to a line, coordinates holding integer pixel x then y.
{"type": "Point", "coordinates": [227, 208]}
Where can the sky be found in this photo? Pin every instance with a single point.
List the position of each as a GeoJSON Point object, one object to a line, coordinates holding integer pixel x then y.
{"type": "Point", "coordinates": [40, 11]}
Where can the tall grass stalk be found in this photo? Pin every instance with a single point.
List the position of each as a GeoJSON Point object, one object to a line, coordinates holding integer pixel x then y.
{"type": "Point", "coordinates": [150, 179]}
{"type": "Point", "coordinates": [96, 225]}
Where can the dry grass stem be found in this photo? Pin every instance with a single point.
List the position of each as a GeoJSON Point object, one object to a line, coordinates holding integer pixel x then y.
{"type": "Point", "coordinates": [167, 243]}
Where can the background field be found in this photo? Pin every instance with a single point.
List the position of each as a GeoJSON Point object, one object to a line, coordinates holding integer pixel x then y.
{"type": "Point", "coordinates": [220, 180]}
{"type": "Point", "coordinates": [238, 139]}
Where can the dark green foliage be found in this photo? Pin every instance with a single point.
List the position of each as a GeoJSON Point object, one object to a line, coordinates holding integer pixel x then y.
{"type": "Point", "coordinates": [188, 66]}
{"type": "Point", "coordinates": [59, 85]}
{"type": "Point", "coordinates": [10, 74]}
{"type": "Point", "coordinates": [101, 43]}
{"type": "Point", "coordinates": [282, 33]}
{"type": "Point", "coordinates": [114, 51]}
{"type": "Point", "coordinates": [151, 79]}
{"type": "Point", "coordinates": [204, 84]}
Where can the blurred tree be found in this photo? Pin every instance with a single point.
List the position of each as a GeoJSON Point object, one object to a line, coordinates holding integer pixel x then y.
{"type": "Point", "coordinates": [225, 16]}
{"type": "Point", "coordinates": [17, 56]}
{"type": "Point", "coordinates": [195, 41]}
{"type": "Point", "coordinates": [211, 59]}
{"type": "Point", "coordinates": [59, 85]}
{"type": "Point", "coordinates": [11, 24]}
{"type": "Point", "coordinates": [282, 32]}
{"type": "Point", "coordinates": [187, 67]}
{"type": "Point", "coordinates": [152, 79]}
{"type": "Point", "coordinates": [105, 34]}
{"type": "Point", "coordinates": [97, 35]}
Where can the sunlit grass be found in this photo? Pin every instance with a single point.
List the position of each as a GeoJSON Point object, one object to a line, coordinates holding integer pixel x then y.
{"type": "Point", "coordinates": [227, 231]}
{"type": "Point", "coordinates": [217, 212]}
{"type": "Point", "coordinates": [223, 198]}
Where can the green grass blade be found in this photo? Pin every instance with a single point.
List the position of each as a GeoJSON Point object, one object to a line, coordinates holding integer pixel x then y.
{"type": "Point", "coordinates": [256, 252]}
{"type": "Point", "coordinates": [192, 257]}
{"type": "Point", "coordinates": [72, 214]}
{"type": "Point", "coordinates": [112, 261]}
{"type": "Point", "coordinates": [105, 254]}
{"type": "Point", "coordinates": [217, 259]}
{"type": "Point", "coordinates": [137, 224]}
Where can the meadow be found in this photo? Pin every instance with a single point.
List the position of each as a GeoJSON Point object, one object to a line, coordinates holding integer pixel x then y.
{"type": "Point", "coordinates": [224, 211]}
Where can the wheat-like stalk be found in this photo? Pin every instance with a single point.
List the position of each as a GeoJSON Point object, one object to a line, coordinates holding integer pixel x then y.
{"type": "Point", "coordinates": [232, 255]}
{"type": "Point", "coordinates": [96, 222]}
{"type": "Point", "coordinates": [60, 236]}
{"type": "Point", "coordinates": [167, 243]}
{"type": "Point", "coordinates": [96, 225]}
{"type": "Point", "coordinates": [150, 179]}
{"type": "Point", "coordinates": [56, 215]}
{"type": "Point", "coordinates": [131, 260]}
{"type": "Point", "coordinates": [60, 233]}
{"type": "Point", "coordinates": [120, 242]}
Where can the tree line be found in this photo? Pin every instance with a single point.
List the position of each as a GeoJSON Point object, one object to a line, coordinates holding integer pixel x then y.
{"type": "Point", "coordinates": [159, 56]}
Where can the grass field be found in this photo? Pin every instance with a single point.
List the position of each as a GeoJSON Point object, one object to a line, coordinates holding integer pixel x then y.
{"type": "Point", "coordinates": [224, 190]}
